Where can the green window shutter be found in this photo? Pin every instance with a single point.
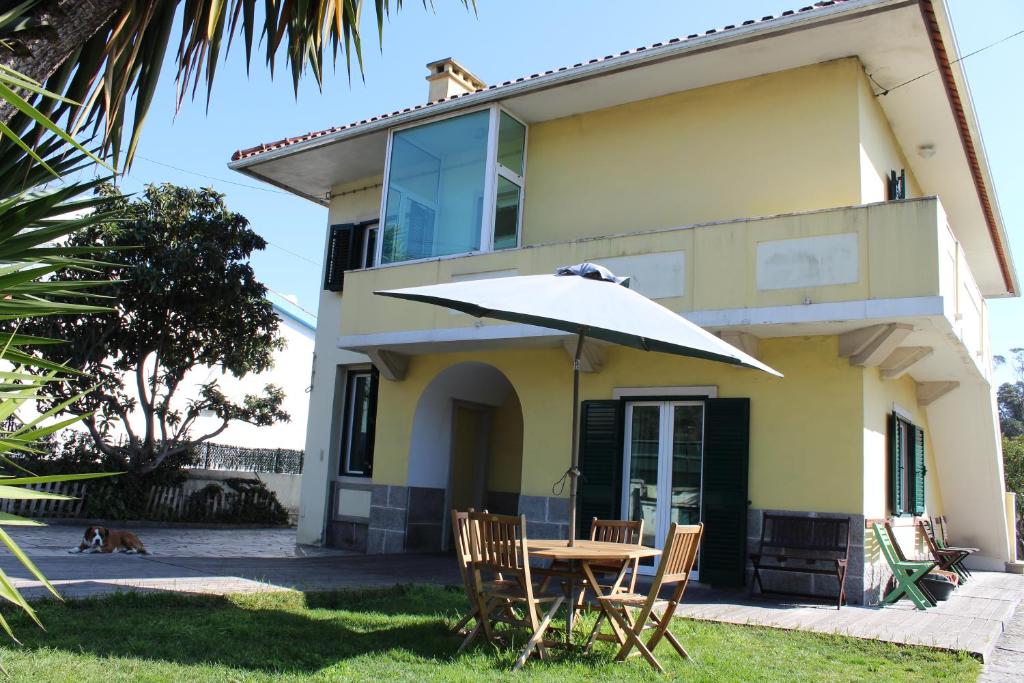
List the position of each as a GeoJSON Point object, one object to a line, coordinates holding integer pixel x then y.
{"type": "Point", "coordinates": [896, 460]}
{"type": "Point", "coordinates": [919, 470]}
{"type": "Point", "coordinates": [723, 551]}
{"type": "Point", "coordinates": [600, 488]}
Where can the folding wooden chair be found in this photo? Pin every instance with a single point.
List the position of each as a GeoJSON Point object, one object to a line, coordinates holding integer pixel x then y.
{"type": "Point", "coordinates": [617, 531]}
{"type": "Point", "coordinates": [501, 550]}
{"type": "Point", "coordinates": [907, 573]}
{"type": "Point", "coordinates": [949, 559]}
{"type": "Point", "coordinates": [677, 560]}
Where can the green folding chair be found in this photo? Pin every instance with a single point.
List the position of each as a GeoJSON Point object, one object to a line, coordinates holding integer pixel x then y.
{"type": "Point", "coordinates": [908, 573]}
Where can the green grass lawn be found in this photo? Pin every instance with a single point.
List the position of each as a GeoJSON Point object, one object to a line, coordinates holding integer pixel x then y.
{"type": "Point", "coordinates": [401, 634]}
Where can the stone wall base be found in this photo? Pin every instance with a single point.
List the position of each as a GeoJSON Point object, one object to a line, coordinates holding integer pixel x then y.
{"type": "Point", "coordinates": [546, 516]}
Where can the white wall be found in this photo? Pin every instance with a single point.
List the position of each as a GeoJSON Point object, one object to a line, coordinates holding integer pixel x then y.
{"type": "Point", "coordinates": [430, 443]}
{"type": "Point", "coordinates": [286, 486]}
{"type": "Point", "coordinates": [291, 371]}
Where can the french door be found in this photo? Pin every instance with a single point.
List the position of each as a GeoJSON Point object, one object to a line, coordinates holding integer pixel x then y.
{"type": "Point", "coordinates": [662, 465]}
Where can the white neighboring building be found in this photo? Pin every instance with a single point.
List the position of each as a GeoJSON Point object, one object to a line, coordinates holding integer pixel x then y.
{"type": "Point", "coordinates": [292, 370]}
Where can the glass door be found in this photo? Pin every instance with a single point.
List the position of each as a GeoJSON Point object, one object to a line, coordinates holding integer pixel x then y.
{"type": "Point", "coordinates": [664, 448]}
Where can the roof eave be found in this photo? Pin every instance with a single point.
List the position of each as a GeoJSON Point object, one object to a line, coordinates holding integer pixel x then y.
{"type": "Point", "coordinates": [565, 75]}
{"type": "Point", "coordinates": [955, 80]}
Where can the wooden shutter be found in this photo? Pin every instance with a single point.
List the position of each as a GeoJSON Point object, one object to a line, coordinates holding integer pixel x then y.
{"type": "Point", "coordinates": [919, 470]}
{"type": "Point", "coordinates": [341, 250]}
{"type": "Point", "coordinates": [897, 458]}
{"type": "Point", "coordinates": [724, 501]}
{"type": "Point", "coordinates": [600, 488]}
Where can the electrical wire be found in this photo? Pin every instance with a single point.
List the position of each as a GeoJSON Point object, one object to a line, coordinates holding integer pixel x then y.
{"type": "Point", "coordinates": [210, 177]}
{"type": "Point", "coordinates": [886, 91]}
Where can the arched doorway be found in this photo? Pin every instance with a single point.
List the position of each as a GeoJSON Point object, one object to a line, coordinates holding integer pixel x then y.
{"type": "Point", "coordinates": [465, 449]}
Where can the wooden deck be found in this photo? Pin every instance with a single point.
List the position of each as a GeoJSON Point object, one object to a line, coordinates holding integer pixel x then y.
{"type": "Point", "coordinates": [972, 620]}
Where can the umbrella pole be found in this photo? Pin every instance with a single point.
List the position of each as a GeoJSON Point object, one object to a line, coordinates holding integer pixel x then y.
{"type": "Point", "coordinates": [574, 471]}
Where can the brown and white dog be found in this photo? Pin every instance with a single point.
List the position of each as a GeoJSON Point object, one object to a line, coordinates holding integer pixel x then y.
{"type": "Point", "coordinates": [100, 539]}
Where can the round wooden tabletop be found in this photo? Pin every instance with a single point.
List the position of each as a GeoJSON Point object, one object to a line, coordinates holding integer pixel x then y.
{"type": "Point", "coordinates": [588, 550]}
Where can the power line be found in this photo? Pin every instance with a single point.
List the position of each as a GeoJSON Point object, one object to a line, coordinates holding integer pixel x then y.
{"type": "Point", "coordinates": [210, 177]}
{"type": "Point", "coordinates": [293, 303]}
{"type": "Point", "coordinates": [289, 251]}
{"type": "Point", "coordinates": [886, 91]}
{"type": "Point", "coordinates": [318, 264]}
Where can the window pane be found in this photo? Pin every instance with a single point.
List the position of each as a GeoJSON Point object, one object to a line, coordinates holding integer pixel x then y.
{"type": "Point", "coordinates": [687, 446]}
{"type": "Point", "coordinates": [642, 501]}
{"type": "Point", "coordinates": [511, 143]}
{"type": "Point", "coordinates": [358, 455]}
{"type": "Point", "coordinates": [506, 214]}
{"type": "Point", "coordinates": [436, 189]}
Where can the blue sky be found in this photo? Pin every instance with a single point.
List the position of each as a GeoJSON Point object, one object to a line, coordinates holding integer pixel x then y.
{"type": "Point", "coordinates": [505, 40]}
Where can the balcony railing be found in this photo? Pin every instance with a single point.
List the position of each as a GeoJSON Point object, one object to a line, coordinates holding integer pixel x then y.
{"type": "Point", "coordinates": [895, 257]}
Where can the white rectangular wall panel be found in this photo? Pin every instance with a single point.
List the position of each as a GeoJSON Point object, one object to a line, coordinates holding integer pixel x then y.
{"type": "Point", "coordinates": [353, 503]}
{"type": "Point", "coordinates": [659, 276]}
{"type": "Point", "coordinates": [807, 262]}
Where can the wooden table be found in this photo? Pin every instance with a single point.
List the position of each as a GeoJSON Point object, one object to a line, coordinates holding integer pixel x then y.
{"type": "Point", "coordinates": [582, 554]}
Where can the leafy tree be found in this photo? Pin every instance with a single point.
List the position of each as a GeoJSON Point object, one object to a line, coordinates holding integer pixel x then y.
{"type": "Point", "coordinates": [1010, 396]}
{"type": "Point", "coordinates": [1013, 470]}
{"type": "Point", "coordinates": [186, 297]}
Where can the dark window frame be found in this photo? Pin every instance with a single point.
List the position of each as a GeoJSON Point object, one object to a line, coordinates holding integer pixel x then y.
{"type": "Point", "coordinates": [352, 416]}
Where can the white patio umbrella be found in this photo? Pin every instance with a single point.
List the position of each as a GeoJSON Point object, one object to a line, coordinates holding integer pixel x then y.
{"type": "Point", "coordinates": [589, 301]}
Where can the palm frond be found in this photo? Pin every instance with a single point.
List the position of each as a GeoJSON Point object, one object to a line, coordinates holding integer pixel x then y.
{"type": "Point", "coordinates": [121, 64]}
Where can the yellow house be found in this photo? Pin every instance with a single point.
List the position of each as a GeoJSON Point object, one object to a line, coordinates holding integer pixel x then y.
{"type": "Point", "coordinates": [811, 187]}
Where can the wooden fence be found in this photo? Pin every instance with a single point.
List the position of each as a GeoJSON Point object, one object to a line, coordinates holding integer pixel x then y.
{"type": "Point", "coordinates": [44, 507]}
{"type": "Point", "coordinates": [164, 503]}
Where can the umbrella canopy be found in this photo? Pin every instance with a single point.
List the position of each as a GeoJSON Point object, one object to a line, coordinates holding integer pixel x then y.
{"type": "Point", "coordinates": [605, 310]}
{"type": "Point", "coordinates": [589, 301]}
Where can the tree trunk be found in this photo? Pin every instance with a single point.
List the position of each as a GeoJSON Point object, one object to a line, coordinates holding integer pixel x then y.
{"type": "Point", "coordinates": [71, 23]}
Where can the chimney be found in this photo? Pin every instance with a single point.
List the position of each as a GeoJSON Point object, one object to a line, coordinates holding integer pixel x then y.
{"type": "Point", "coordinates": [448, 77]}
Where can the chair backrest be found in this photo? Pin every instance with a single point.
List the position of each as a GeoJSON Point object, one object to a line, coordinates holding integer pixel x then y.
{"type": "Point", "coordinates": [928, 531]}
{"type": "Point", "coordinates": [616, 531]}
{"type": "Point", "coordinates": [883, 534]}
{"type": "Point", "coordinates": [891, 533]}
{"type": "Point", "coordinates": [680, 552]}
{"type": "Point", "coordinates": [677, 558]}
{"type": "Point", "coordinates": [500, 544]}
{"type": "Point", "coordinates": [806, 535]}
{"type": "Point", "coordinates": [462, 539]}
{"type": "Point", "coordinates": [943, 536]}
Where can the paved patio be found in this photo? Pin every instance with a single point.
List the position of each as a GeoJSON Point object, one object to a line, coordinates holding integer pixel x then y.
{"type": "Point", "coordinates": [978, 619]}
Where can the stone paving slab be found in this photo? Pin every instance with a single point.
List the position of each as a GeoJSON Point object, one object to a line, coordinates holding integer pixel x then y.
{"type": "Point", "coordinates": [1007, 662]}
{"type": "Point", "coordinates": [973, 620]}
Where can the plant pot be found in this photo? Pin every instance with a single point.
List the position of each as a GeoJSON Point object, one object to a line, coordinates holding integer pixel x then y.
{"type": "Point", "coordinates": [939, 587]}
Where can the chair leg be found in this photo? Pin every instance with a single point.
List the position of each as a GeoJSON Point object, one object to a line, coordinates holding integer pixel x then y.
{"type": "Point", "coordinates": [464, 621]}
{"type": "Point", "coordinates": [536, 640]}
{"type": "Point", "coordinates": [663, 622]}
{"type": "Point", "coordinates": [594, 632]}
{"type": "Point", "coordinates": [468, 640]}
{"type": "Point", "coordinates": [633, 641]}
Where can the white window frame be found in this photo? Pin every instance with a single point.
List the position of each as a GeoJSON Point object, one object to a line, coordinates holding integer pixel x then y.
{"type": "Point", "coordinates": [666, 416]}
{"type": "Point", "coordinates": [493, 170]}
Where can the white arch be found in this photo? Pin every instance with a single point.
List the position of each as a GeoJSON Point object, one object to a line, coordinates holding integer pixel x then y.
{"type": "Point", "coordinates": [430, 443]}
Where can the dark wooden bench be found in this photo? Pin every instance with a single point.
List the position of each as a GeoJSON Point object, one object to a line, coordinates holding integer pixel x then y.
{"type": "Point", "coordinates": [808, 545]}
